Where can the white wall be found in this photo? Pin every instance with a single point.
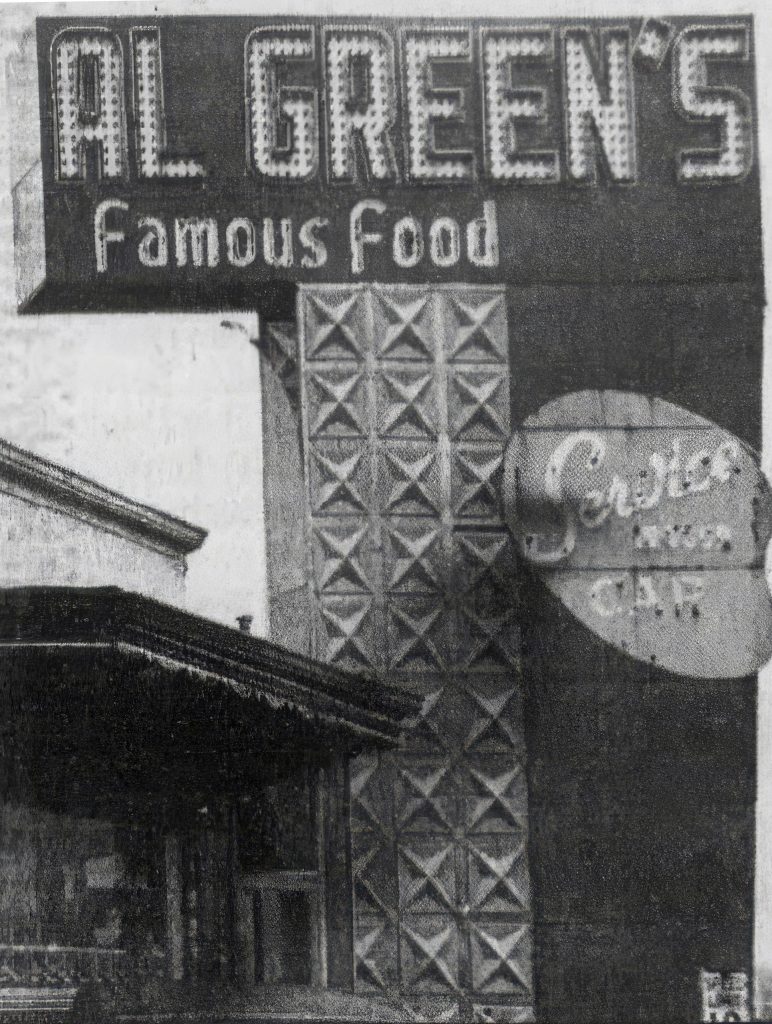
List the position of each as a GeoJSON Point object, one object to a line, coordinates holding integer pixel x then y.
{"type": "Point", "coordinates": [163, 408]}
{"type": "Point", "coordinates": [42, 545]}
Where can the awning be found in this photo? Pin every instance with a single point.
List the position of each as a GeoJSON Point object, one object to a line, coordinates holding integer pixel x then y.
{"type": "Point", "coordinates": [106, 692]}
{"type": "Point", "coordinates": [252, 667]}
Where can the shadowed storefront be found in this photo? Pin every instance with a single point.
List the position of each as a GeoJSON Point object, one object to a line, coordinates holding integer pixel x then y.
{"type": "Point", "coordinates": [173, 793]}
{"type": "Point", "coordinates": [174, 807]}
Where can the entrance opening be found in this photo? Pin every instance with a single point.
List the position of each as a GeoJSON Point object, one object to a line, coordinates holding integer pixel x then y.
{"type": "Point", "coordinates": [281, 928]}
{"type": "Point", "coordinates": [283, 937]}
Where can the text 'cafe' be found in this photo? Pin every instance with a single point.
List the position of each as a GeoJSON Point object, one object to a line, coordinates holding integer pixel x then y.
{"type": "Point", "coordinates": [509, 290]}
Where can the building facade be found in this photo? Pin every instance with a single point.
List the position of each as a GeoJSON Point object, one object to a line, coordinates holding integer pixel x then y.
{"type": "Point", "coordinates": [62, 529]}
{"type": "Point", "coordinates": [173, 791]}
{"type": "Point", "coordinates": [445, 226]}
{"type": "Point", "coordinates": [548, 839]}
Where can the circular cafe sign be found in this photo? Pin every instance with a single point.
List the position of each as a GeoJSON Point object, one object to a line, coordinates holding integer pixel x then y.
{"type": "Point", "coordinates": [651, 525]}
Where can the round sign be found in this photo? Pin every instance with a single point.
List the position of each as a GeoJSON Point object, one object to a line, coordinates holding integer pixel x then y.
{"type": "Point", "coordinates": [651, 525]}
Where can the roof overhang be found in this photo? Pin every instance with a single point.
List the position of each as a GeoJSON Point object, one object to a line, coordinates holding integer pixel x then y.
{"type": "Point", "coordinates": [367, 711]}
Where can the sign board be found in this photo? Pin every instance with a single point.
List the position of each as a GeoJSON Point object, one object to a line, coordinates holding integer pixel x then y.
{"type": "Point", "coordinates": [651, 524]}
{"type": "Point", "coordinates": [215, 161]}
{"type": "Point", "coordinates": [725, 996]}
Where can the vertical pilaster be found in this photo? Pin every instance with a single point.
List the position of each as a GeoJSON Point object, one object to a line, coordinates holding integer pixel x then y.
{"type": "Point", "coordinates": [404, 395]}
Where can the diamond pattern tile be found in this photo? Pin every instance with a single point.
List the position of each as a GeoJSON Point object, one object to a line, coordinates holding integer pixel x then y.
{"type": "Point", "coordinates": [375, 886]}
{"type": "Point", "coordinates": [476, 482]}
{"type": "Point", "coordinates": [339, 478]}
{"type": "Point", "coordinates": [444, 721]}
{"type": "Point", "coordinates": [418, 633]}
{"type": "Point", "coordinates": [495, 721]}
{"type": "Point", "coordinates": [410, 480]}
{"type": "Point", "coordinates": [371, 789]}
{"type": "Point", "coordinates": [333, 320]}
{"type": "Point", "coordinates": [484, 568]}
{"type": "Point", "coordinates": [479, 404]}
{"type": "Point", "coordinates": [498, 876]}
{"type": "Point", "coordinates": [347, 630]}
{"type": "Point", "coordinates": [495, 798]}
{"type": "Point", "coordinates": [413, 557]}
{"type": "Point", "coordinates": [341, 556]}
{"type": "Point", "coordinates": [490, 641]}
{"type": "Point", "coordinates": [501, 958]}
{"type": "Point", "coordinates": [403, 327]}
{"type": "Point", "coordinates": [427, 874]}
{"type": "Point", "coordinates": [375, 953]}
{"type": "Point", "coordinates": [407, 402]}
{"type": "Point", "coordinates": [425, 796]}
{"type": "Point", "coordinates": [429, 953]}
{"type": "Point", "coordinates": [405, 412]}
{"type": "Point", "coordinates": [336, 402]}
{"type": "Point", "coordinates": [478, 330]}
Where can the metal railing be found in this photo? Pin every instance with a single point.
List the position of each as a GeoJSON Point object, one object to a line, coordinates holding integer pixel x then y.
{"type": "Point", "coordinates": [58, 966]}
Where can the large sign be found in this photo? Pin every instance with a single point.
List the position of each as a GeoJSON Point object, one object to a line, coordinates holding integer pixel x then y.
{"type": "Point", "coordinates": [190, 159]}
{"type": "Point", "coordinates": [651, 524]}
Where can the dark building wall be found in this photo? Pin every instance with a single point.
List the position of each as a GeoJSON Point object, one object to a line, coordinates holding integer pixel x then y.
{"type": "Point", "coordinates": [697, 344]}
{"type": "Point", "coordinates": [641, 790]}
{"type": "Point", "coordinates": [641, 784]}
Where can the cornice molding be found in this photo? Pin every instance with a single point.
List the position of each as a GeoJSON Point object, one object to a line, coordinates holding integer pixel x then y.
{"type": "Point", "coordinates": [65, 490]}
